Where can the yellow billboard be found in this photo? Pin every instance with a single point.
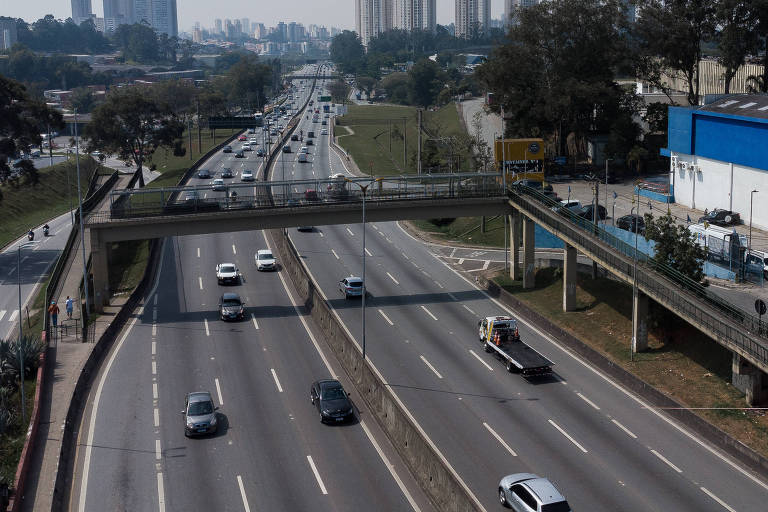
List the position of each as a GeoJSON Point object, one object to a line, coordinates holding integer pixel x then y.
{"type": "Point", "coordinates": [522, 157]}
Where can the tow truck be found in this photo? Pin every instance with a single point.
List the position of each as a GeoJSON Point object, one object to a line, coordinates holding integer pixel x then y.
{"type": "Point", "coordinates": [500, 336]}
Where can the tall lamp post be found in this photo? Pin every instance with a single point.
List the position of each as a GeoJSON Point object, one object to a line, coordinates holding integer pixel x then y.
{"type": "Point", "coordinates": [606, 181]}
{"type": "Point", "coordinates": [21, 326]}
{"type": "Point", "coordinates": [634, 274]}
{"type": "Point", "coordinates": [364, 190]}
{"type": "Point", "coordinates": [751, 196]}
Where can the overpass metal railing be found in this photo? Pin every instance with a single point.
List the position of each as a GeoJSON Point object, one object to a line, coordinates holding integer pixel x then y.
{"type": "Point", "coordinates": [688, 297]}
{"type": "Point", "coordinates": [266, 195]}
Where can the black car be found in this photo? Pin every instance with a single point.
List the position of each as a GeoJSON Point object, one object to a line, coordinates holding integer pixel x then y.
{"type": "Point", "coordinates": [260, 152]}
{"type": "Point", "coordinates": [294, 137]}
{"type": "Point", "coordinates": [331, 400]}
{"type": "Point", "coordinates": [231, 307]}
{"type": "Point", "coordinates": [721, 217]}
{"type": "Point", "coordinates": [628, 223]}
{"type": "Point", "coordinates": [286, 149]}
{"type": "Point", "coordinates": [309, 142]}
{"type": "Point", "coordinates": [239, 154]}
{"type": "Point", "coordinates": [226, 172]}
{"type": "Point", "coordinates": [226, 149]}
{"type": "Point", "coordinates": [588, 212]}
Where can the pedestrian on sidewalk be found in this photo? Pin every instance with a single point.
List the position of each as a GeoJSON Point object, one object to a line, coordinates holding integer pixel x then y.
{"type": "Point", "coordinates": [53, 309]}
{"type": "Point", "coordinates": [69, 305]}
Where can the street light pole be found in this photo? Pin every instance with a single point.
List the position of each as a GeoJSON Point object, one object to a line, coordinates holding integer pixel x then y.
{"type": "Point", "coordinates": [634, 285]}
{"type": "Point", "coordinates": [606, 180]}
{"type": "Point", "coordinates": [21, 326]}
{"type": "Point", "coordinates": [82, 231]}
{"type": "Point", "coordinates": [751, 196]}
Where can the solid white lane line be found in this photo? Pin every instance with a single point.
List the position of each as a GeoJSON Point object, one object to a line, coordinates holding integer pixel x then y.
{"type": "Point", "coordinates": [277, 381]}
{"type": "Point", "coordinates": [234, 249]}
{"type": "Point", "coordinates": [430, 314]}
{"type": "Point", "coordinates": [390, 467]}
{"type": "Point", "coordinates": [499, 439]}
{"type": "Point", "coordinates": [242, 494]}
{"type": "Point", "coordinates": [350, 232]}
{"type": "Point", "coordinates": [160, 492]}
{"type": "Point", "coordinates": [666, 461]}
{"type": "Point", "coordinates": [2, 313]}
{"type": "Point", "coordinates": [396, 282]}
{"type": "Point", "coordinates": [368, 252]}
{"type": "Point", "coordinates": [721, 502]}
{"type": "Point", "coordinates": [625, 429]}
{"type": "Point", "coordinates": [13, 316]}
{"type": "Point", "coordinates": [567, 436]}
{"type": "Point", "coordinates": [255, 323]}
{"type": "Point", "coordinates": [334, 253]}
{"type": "Point", "coordinates": [200, 281]}
{"type": "Point", "coordinates": [480, 359]}
{"type": "Point", "coordinates": [317, 475]}
{"type": "Point", "coordinates": [590, 402]}
{"type": "Point", "coordinates": [218, 391]}
{"type": "Point", "coordinates": [431, 367]}
{"type": "Point", "coordinates": [385, 317]}
{"type": "Point", "coordinates": [198, 252]}
{"type": "Point", "coordinates": [158, 451]}
{"type": "Point", "coordinates": [467, 308]}
{"type": "Point", "coordinates": [207, 331]}
{"type": "Point", "coordinates": [156, 417]}
{"type": "Point", "coordinates": [154, 390]}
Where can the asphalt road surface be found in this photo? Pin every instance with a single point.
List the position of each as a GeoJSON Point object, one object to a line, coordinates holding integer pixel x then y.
{"type": "Point", "coordinates": [271, 451]}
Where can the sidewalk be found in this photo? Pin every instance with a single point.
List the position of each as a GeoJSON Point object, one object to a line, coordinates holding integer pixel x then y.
{"type": "Point", "coordinates": [64, 363]}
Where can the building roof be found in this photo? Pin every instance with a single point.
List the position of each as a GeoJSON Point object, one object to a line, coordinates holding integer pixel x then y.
{"type": "Point", "coordinates": [743, 105]}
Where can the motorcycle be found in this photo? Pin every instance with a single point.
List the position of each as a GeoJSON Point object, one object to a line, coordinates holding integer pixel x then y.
{"type": "Point", "coordinates": [45, 231]}
{"type": "Point", "coordinates": [31, 236]}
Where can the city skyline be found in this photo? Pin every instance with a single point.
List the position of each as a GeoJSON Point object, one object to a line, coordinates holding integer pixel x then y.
{"type": "Point", "coordinates": [339, 13]}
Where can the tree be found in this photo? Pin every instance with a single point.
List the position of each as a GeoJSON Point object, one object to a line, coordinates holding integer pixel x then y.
{"type": "Point", "coordinates": [20, 126]}
{"type": "Point", "coordinates": [760, 12]}
{"type": "Point", "coordinates": [671, 31]}
{"type": "Point", "coordinates": [347, 52]}
{"type": "Point", "coordinates": [134, 125]}
{"type": "Point", "coordinates": [396, 87]}
{"type": "Point", "coordinates": [366, 84]}
{"type": "Point", "coordinates": [247, 79]}
{"type": "Point", "coordinates": [138, 43]}
{"type": "Point", "coordinates": [82, 99]}
{"type": "Point", "coordinates": [425, 82]}
{"type": "Point", "coordinates": [339, 91]}
{"type": "Point", "coordinates": [675, 246]}
{"type": "Point", "coordinates": [737, 36]}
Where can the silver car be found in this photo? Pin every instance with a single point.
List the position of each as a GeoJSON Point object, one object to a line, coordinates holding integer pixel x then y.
{"type": "Point", "coordinates": [526, 492]}
{"type": "Point", "coordinates": [351, 286]}
{"type": "Point", "coordinates": [199, 414]}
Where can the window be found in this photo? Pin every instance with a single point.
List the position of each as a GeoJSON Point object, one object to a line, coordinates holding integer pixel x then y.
{"type": "Point", "coordinates": [560, 506]}
{"type": "Point", "coordinates": [522, 494]}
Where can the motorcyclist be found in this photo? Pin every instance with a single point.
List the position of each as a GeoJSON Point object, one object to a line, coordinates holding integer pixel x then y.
{"type": "Point", "coordinates": [31, 235]}
{"type": "Point", "coordinates": [46, 229]}
{"type": "Point", "coordinates": [233, 195]}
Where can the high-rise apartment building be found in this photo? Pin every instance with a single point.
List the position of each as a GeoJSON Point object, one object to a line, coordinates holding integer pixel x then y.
{"type": "Point", "coordinates": [245, 25]}
{"type": "Point", "coordinates": [164, 18]}
{"type": "Point", "coordinates": [414, 14]}
{"type": "Point", "coordinates": [217, 26]}
{"type": "Point", "coordinates": [142, 12]}
{"type": "Point", "coordinates": [510, 6]}
{"type": "Point", "coordinates": [472, 16]}
{"type": "Point", "coordinates": [372, 17]}
{"type": "Point", "coordinates": [282, 31]}
{"type": "Point", "coordinates": [8, 33]}
{"type": "Point", "coordinates": [159, 14]}
{"type": "Point", "coordinates": [81, 11]}
{"type": "Point", "coordinates": [260, 32]}
{"type": "Point", "coordinates": [117, 12]}
{"type": "Point", "coordinates": [292, 32]}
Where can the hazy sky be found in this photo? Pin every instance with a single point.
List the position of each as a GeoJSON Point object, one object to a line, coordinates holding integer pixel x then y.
{"type": "Point", "coordinates": [338, 13]}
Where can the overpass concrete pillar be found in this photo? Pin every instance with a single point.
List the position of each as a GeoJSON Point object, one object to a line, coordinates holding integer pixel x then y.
{"type": "Point", "coordinates": [569, 278]}
{"type": "Point", "coordinates": [100, 270]}
{"type": "Point", "coordinates": [749, 380]}
{"type": "Point", "coordinates": [640, 322]}
{"type": "Point", "coordinates": [515, 238]}
{"type": "Point", "coordinates": [529, 247]}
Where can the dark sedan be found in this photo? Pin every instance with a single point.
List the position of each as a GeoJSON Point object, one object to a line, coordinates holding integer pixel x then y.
{"type": "Point", "coordinates": [588, 212]}
{"type": "Point", "coordinates": [721, 217]}
{"type": "Point", "coordinates": [631, 222]}
{"type": "Point", "coordinates": [331, 400]}
{"type": "Point", "coordinates": [231, 307]}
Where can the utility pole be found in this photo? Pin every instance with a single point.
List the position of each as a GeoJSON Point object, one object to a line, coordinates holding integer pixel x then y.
{"type": "Point", "coordinates": [405, 143]}
{"type": "Point", "coordinates": [82, 232]}
{"type": "Point", "coordinates": [595, 216]}
{"type": "Point", "coordinates": [199, 137]}
{"type": "Point", "coordinates": [418, 165]}
{"type": "Point", "coordinates": [390, 136]}
{"type": "Point", "coordinates": [189, 136]}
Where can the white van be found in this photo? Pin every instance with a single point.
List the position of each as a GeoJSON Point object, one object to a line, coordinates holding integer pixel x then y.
{"type": "Point", "coordinates": [755, 257]}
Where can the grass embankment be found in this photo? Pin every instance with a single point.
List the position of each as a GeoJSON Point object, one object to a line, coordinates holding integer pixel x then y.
{"type": "Point", "coordinates": [376, 142]}
{"type": "Point", "coordinates": [26, 205]}
{"type": "Point", "coordinates": [173, 167]}
{"type": "Point", "coordinates": [127, 264]}
{"type": "Point", "coordinates": [466, 230]}
{"type": "Point", "coordinates": [681, 362]}
{"type": "Point", "coordinates": [12, 441]}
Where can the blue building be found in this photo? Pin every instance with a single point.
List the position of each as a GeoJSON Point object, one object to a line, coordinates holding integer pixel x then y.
{"type": "Point", "coordinates": [719, 155]}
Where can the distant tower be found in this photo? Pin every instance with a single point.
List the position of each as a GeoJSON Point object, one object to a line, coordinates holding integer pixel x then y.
{"type": "Point", "coordinates": [81, 11]}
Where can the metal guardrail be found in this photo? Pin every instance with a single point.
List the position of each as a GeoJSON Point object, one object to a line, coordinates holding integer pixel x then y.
{"type": "Point", "coordinates": [686, 297]}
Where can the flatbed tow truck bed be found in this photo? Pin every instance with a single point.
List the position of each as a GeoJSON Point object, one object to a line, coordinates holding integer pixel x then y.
{"type": "Point", "coordinates": [499, 336]}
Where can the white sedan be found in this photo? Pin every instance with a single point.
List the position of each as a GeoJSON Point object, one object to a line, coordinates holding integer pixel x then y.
{"type": "Point", "coordinates": [265, 260]}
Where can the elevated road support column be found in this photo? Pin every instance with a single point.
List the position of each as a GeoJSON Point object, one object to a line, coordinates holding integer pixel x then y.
{"type": "Point", "coordinates": [569, 278]}
{"type": "Point", "coordinates": [640, 322]}
{"type": "Point", "coordinates": [100, 270]}
{"type": "Point", "coordinates": [750, 380]}
{"type": "Point", "coordinates": [529, 248]}
{"type": "Point", "coordinates": [515, 237]}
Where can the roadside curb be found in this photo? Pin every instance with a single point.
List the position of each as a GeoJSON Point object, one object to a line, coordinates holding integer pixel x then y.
{"type": "Point", "coordinates": [700, 426]}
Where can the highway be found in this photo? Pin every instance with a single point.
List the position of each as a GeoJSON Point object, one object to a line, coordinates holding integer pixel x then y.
{"type": "Point", "coordinates": [603, 447]}
{"type": "Point", "coordinates": [271, 452]}
{"type": "Point", "coordinates": [36, 258]}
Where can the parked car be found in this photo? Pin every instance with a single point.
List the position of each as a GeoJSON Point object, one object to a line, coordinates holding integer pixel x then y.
{"type": "Point", "coordinates": [526, 492]}
{"type": "Point", "coordinates": [204, 174]}
{"type": "Point", "coordinates": [351, 286]}
{"type": "Point", "coordinates": [231, 307]}
{"type": "Point", "coordinates": [720, 217]}
{"type": "Point", "coordinates": [226, 172]}
{"type": "Point", "coordinates": [265, 260]}
{"type": "Point", "coordinates": [587, 212]}
{"type": "Point", "coordinates": [331, 401]}
{"type": "Point", "coordinates": [631, 222]}
{"type": "Point", "coordinates": [199, 414]}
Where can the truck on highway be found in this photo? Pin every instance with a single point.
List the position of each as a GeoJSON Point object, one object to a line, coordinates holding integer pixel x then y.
{"type": "Point", "coordinates": [500, 336]}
